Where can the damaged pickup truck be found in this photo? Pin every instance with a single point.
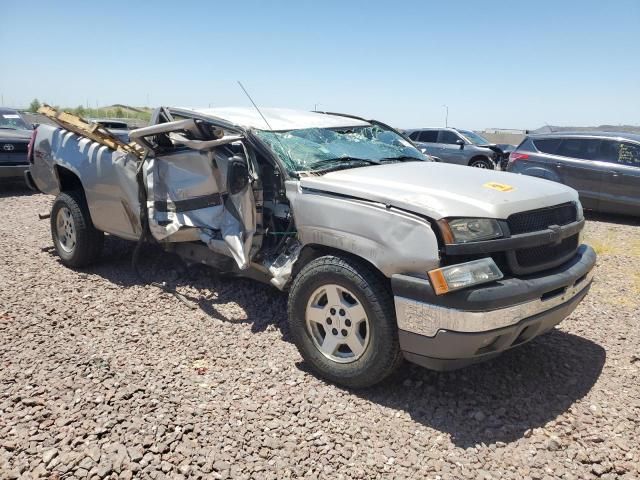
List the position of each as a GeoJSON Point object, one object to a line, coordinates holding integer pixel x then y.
{"type": "Point", "coordinates": [384, 254]}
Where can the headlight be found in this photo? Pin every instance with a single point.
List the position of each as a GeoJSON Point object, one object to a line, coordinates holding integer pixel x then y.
{"type": "Point", "coordinates": [462, 275]}
{"type": "Point", "coordinates": [580, 212]}
{"type": "Point", "coordinates": [463, 230]}
{"type": "Point", "coordinates": [580, 216]}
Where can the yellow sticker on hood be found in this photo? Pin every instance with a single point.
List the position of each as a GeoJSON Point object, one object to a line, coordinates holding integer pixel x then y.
{"type": "Point", "coordinates": [501, 187]}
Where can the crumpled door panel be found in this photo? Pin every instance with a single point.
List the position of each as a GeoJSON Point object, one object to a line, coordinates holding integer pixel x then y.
{"type": "Point", "coordinates": [188, 201]}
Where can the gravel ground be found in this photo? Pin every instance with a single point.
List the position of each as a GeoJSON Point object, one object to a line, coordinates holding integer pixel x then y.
{"type": "Point", "coordinates": [104, 377]}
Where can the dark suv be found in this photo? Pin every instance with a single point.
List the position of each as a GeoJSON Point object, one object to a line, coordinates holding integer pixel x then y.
{"type": "Point", "coordinates": [15, 133]}
{"type": "Point", "coordinates": [603, 167]}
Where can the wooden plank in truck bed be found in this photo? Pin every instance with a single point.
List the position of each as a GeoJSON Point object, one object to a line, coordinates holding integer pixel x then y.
{"type": "Point", "coordinates": [92, 131]}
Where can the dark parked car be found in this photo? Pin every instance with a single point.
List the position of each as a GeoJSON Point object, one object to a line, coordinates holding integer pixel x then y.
{"type": "Point", "coordinates": [15, 134]}
{"type": "Point", "coordinates": [603, 167]}
{"type": "Point", "coordinates": [461, 147]}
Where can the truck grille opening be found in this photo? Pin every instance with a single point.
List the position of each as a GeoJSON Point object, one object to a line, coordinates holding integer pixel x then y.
{"type": "Point", "coordinates": [535, 220]}
{"type": "Point", "coordinates": [526, 261]}
{"type": "Point", "coordinates": [545, 254]}
{"type": "Point", "coordinates": [13, 147]}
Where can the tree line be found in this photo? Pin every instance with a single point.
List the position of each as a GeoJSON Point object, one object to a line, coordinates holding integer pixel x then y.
{"type": "Point", "coordinates": [82, 111]}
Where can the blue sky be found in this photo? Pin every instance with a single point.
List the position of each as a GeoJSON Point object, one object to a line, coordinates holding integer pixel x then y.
{"type": "Point", "coordinates": [503, 64]}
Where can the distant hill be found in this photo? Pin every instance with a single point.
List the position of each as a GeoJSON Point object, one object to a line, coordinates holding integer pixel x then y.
{"type": "Point", "coordinates": [600, 128]}
{"type": "Point", "coordinates": [127, 108]}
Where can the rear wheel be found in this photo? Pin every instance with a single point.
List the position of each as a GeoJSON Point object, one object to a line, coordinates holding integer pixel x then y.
{"type": "Point", "coordinates": [75, 239]}
{"type": "Point", "coordinates": [482, 163]}
{"type": "Point", "coordinates": [342, 319]}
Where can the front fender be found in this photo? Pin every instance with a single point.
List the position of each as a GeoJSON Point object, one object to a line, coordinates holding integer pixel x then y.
{"type": "Point", "coordinates": [392, 240]}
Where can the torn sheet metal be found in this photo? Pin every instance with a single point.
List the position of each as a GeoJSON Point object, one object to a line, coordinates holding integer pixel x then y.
{"type": "Point", "coordinates": [179, 139]}
{"type": "Point", "coordinates": [182, 191]}
{"type": "Point", "coordinates": [238, 221]}
{"type": "Point", "coordinates": [282, 267]}
{"type": "Point", "coordinates": [188, 201]}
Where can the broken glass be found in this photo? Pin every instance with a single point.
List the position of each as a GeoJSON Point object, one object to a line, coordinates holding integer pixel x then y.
{"type": "Point", "coordinates": [308, 149]}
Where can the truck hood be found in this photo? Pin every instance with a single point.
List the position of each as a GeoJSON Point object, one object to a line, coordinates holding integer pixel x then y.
{"type": "Point", "coordinates": [439, 190]}
{"type": "Point", "coordinates": [14, 135]}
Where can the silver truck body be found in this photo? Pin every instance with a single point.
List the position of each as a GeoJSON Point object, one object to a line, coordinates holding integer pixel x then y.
{"type": "Point", "coordinates": [388, 215]}
{"type": "Point", "coordinates": [108, 178]}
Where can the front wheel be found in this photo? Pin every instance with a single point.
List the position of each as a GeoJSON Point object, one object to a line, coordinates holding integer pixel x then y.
{"type": "Point", "coordinates": [482, 163]}
{"type": "Point", "coordinates": [75, 239]}
{"type": "Point", "coordinates": [342, 319]}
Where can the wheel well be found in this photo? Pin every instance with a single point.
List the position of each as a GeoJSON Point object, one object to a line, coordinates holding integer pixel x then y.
{"type": "Point", "coordinates": [541, 172]}
{"type": "Point", "coordinates": [479, 157]}
{"type": "Point", "coordinates": [312, 251]}
{"type": "Point", "coordinates": [68, 180]}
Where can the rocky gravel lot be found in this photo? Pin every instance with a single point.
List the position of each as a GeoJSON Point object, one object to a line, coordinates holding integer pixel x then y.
{"type": "Point", "coordinates": [102, 376]}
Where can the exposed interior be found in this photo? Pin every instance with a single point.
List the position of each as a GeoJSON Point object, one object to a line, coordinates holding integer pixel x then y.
{"type": "Point", "coordinates": [208, 183]}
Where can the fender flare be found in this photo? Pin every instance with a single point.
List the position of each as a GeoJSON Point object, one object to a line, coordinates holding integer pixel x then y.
{"type": "Point", "coordinates": [542, 172]}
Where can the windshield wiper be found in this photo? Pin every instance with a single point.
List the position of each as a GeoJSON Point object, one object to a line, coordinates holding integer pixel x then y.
{"type": "Point", "coordinates": [340, 162]}
{"type": "Point", "coordinates": [402, 158]}
{"type": "Point", "coordinates": [8, 128]}
{"type": "Point", "coordinates": [349, 159]}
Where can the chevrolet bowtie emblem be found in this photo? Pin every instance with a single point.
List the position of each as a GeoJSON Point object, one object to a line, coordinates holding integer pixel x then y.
{"type": "Point", "coordinates": [555, 234]}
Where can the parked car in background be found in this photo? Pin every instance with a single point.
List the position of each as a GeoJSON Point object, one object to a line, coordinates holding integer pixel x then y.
{"type": "Point", "coordinates": [462, 147]}
{"type": "Point", "coordinates": [15, 134]}
{"type": "Point", "coordinates": [116, 127]}
{"type": "Point", "coordinates": [603, 167]}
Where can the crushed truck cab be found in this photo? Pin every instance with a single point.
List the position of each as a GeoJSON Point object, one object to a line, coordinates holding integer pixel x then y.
{"type": "Point", "coordinates": [384, 254]}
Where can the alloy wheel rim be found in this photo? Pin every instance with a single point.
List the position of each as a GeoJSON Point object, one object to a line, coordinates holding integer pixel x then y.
{"type": "Point", "coordinates": [65, 229]}
{"type": "Point", "coordinates": [337, 323]}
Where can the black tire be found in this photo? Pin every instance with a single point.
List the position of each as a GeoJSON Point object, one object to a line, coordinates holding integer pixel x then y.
{"type": "Point", "coordinates": [382, 354]}
{"type": "Point", "coordinates": [88, 240]}
{"type": "Point", "coordinates": [482, 162]}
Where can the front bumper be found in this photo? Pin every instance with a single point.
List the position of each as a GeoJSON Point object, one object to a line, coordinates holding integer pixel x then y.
{"type": "Point", "coordinates": [28, 179]}
{"type": "Point", "coordinates": [459, 328]}
{"type": "Point", "coordinates": [13, 171]}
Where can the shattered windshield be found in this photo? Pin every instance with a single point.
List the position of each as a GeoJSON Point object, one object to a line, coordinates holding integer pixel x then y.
{"type": "Point", "coordinates": [13, 121]}
{"type": "Point", "coordinates": [321, 148]}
